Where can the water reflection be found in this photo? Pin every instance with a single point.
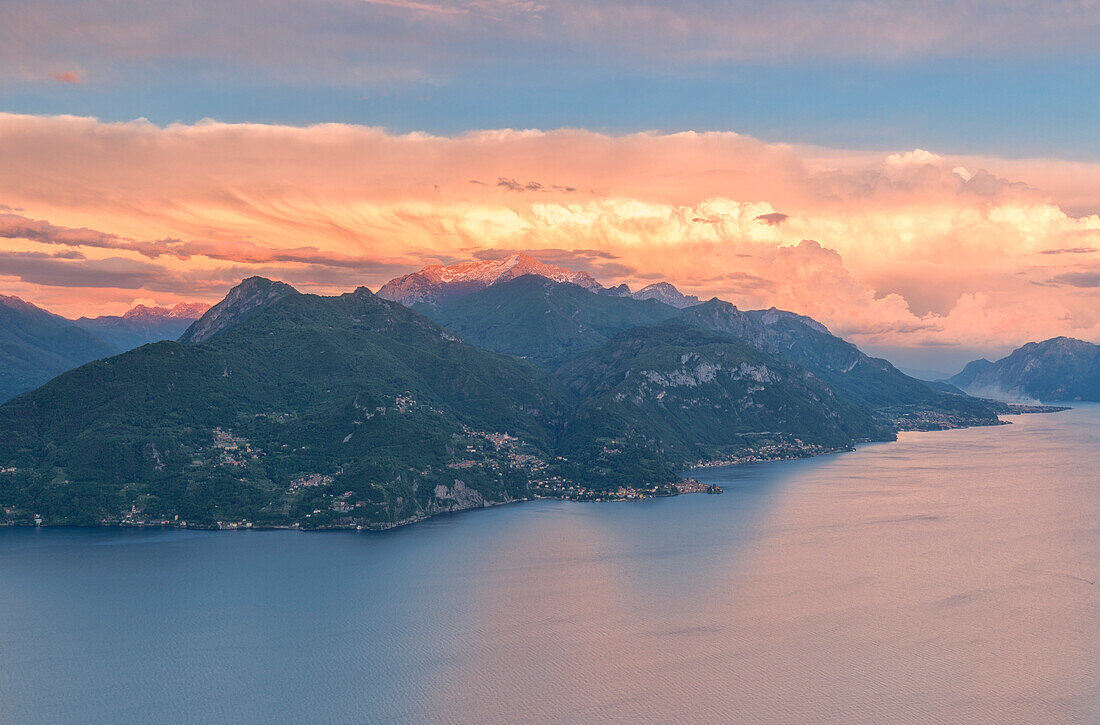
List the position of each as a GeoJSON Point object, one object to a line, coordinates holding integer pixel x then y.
{"type": "Point", "coordinates": [947, 577]}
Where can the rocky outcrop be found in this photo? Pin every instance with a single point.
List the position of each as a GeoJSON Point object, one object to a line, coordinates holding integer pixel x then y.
{"type": "Point", "coordinates": [456, 498]}
{"type": "Point", "coordinates": [666, 293]}
{"type": "Point", "coordinates": [244, 299]}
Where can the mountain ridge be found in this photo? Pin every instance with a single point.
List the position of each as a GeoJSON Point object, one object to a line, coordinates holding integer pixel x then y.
{"type": "Point", "coordinates": [438, 283]}
{"type": "Point", "coordinates": [541, 320]}
{"type": "Point", "coordinates": [246, 298]}
{"type": "Point", "coordinates": [1057, 369]}
{"type": "Point", "coordinates": [306, 410]}
{"type": "Point", "coordinates": [36, 345]}
{"type": "Point", "coordinates": [142, 324]}
{"type": "Point", "coordinates": [278, 408]}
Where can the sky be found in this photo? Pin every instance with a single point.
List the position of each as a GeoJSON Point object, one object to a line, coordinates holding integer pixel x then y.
{"type": "Point", "coordinates": [923, 177]}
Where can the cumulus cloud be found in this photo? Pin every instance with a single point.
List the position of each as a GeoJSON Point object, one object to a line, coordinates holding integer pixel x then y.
{"type": "Point", "coordinates": [889, 248]}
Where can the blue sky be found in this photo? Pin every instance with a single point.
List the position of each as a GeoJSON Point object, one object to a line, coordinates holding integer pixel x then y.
{"type": "Point", "coordinates": [934, 164]}
{"type": "Point", "coordinates": [1006, 108]}
{"type": "Point", "coordinates": [1000, 78]}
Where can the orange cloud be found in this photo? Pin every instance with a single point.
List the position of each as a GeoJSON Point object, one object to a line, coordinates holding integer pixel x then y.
{"type": "Point", "coordinates": [67, 76]}
{"type": "Point", "coordinates": [909, 248]}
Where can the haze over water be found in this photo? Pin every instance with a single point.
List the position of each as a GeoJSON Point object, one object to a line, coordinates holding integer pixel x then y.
{"type": "Point", "coordinates": [948, 577]}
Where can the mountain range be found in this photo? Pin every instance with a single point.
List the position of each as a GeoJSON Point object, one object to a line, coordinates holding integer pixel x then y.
{"type": "Point", "coordinates": [142, 324]}
{"type": "Point", "coordinates": [438, 284]}
{"type": "Point", "coordinates": [36, 345]}
{"type": "Point", "coordinates": [1059, 369]}
{"type": "Point", "coordinates": [277, 408]}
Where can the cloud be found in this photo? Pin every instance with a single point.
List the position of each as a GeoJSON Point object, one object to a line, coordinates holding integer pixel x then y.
{"type": "Point", "coordinates": [1077, 279]}
{"type": "Point", "coordinates": [63, 270]}
{"type": "Point", "coordinates": [490, 8]}
{"type": "Point", "coordinates": [67, 76]}
{"type": "Point", "coordinates": [420, 7]}
{"type": "Point", "coordinates": [599, 263]}
{"type": "Point", "coordinates": [1072, 250]}
{"type": "Point", "coordinates": [774, 218]}
{"type": "Point", "coordinates": [556, 256]}
{"type": "Point", "coordinates": [906, 249]}
{"type": "Point", "coordinates": [513, 185]}
{"type": "Point", "coordinates": [378, 41]}
{"type": "Point", "coordinates": [15, 226]}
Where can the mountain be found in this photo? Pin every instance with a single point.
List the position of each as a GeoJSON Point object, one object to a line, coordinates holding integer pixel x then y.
{"type": "Point", "coordinates": [244, 300]}
{"type": "Point", "coordinates": [661, 291]}
{"type": "Point", "coordinates": [870, 382]}
{"type": "Point", "coordinates": [288, 409]}
{"type": "Point", "coordinates": [666, 293]}
{"type": "Point", "coordinates": [543, 321]}
{"type": "Point", "coordinates": [36, 345]}
{"type": "Point", "coordinates": [548, 323]}
{"type": "Point", "coordinates": [438, 283]}
{"type": "Point", "coordinates": [293, 409]}
{"type": "Point", "coordinates": [142, 324]}
{"type": "Point", "coordinates": [970, 373]}
{"type": "Point", "coordinates": [307, 410]}
{"type": "Point", "coordinates": [693, 395]}
{"type": "Point", "coordinates": [1059, 369]}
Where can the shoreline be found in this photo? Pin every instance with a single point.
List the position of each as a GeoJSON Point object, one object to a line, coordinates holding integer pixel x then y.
{"type": "Point", "coordinates": [685, 486]}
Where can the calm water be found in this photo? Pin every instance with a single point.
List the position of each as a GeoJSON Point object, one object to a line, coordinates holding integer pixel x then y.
{"type": "Point", "coordinates": [948, 577]}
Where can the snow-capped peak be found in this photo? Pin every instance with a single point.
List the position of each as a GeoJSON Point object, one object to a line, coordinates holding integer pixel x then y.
{"type": "Point", "coordinates": [180, 310]}
{"type": "Point", "coordinates": [437, 282]}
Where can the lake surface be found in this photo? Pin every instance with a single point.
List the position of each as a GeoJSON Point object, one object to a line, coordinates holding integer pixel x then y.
{"type": "Point", "coordinates": [951, 576]}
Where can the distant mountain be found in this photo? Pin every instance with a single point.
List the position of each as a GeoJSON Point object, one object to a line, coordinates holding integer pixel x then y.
{"type": "Point", "coordinates": [1059, 369]}
{"type": "Point", "coordinates": [973, 369]}
{"type": "Point", "coordinates": [543, 321]}
{"type": "Point", "coordinates": [142, 324]}
{"type": "Point", "coordinates": [804, 340]}
{"type": "Point", "coordinates": [871, 382]}
{"type": "Point", "coordinates": [666, 293]}
{"type": "Point", "coordinates": [437, 283]}
{"type": "Point", "coordinates": [661, 291]}
{"type": "Point", "coordinates": [178, 311]}
{"type": "Point", "coordinates": [695, 395]}
{"type": "Point", "coordinates": [549, 323]}
{"type": "Point", "coordinates": [36, 345]}
{"type": "Point", "coordinates": [309, 410]}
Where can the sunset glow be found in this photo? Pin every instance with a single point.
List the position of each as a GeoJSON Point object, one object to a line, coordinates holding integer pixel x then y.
{"type": "Point", "coordinates": [904, 249]}
{"type": "Point", "coordinates": [642, 361]}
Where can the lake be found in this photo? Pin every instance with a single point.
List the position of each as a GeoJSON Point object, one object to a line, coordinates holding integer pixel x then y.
{"type": "Point", "coordinates": [951, 576]}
